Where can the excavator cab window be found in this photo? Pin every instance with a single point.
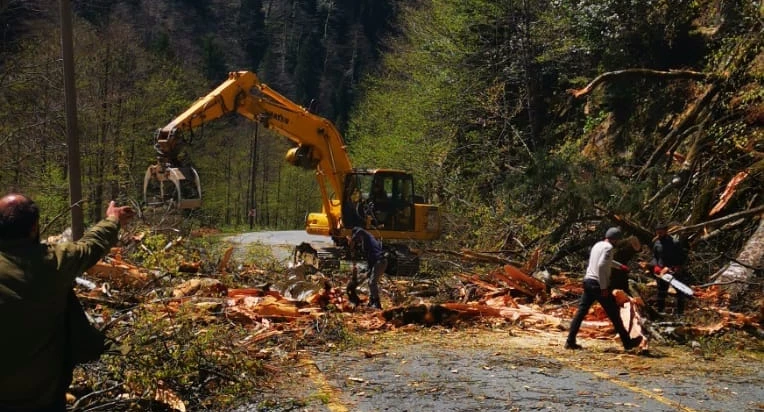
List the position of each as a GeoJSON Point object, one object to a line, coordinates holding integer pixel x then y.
{"type": "Point", "coordinates": [385, 200]}
{"type": "Point", "coordinates": [352, 202]}
{"type": "Point", "coordinates": [403, 203]}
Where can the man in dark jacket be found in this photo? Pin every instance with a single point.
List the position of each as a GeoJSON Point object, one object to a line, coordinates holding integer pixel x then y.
{"type": "Point", "coordinates": [375, 259]}
{"type": "Point", "coordinates": [39, 320]}
{"type": "Point", "coordinates": [668, 257]}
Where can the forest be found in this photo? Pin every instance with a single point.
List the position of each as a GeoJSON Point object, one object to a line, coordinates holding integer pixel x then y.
{"type": "Point", "coordinates": [486, 102]}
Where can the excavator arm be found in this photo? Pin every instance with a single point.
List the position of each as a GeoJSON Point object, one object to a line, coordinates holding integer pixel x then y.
{"type": "Point", "coordinates": [320, 145]}
{"type": "Point", "coordinates": [243, 93]}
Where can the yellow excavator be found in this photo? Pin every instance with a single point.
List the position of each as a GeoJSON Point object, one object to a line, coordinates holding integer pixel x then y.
{"type": "Point", "coordinates": [382, 201]}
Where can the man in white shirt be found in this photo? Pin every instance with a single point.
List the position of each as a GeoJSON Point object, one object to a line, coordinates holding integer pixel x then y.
{"type": "Point", "coordinates": [597, 288]}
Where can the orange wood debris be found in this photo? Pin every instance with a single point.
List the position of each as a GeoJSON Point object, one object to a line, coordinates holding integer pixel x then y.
{"type": "Point", "coordinates": [536, 286]}
{"type": "Point", "coordinates": [119, 274]}
{"type": "Point", "coordinates": [224, 261]}
{"type": "Point", "coordinates": [189, 267]}
{"type": "Point", "coordinates": [725, 197]}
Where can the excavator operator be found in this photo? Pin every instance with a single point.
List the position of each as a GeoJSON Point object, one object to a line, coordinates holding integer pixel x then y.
{"type": "Point", "coordinates": [380, 201]}
{"type": "Point", "coordinates": [351, 215]}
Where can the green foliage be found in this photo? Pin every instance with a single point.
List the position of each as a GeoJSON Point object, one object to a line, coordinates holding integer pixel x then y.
{"type": "Point", "coordinates": [330, 331]}
{"type": "Point", "coordinates": [594, 121]}
{"type": "Point", "coordinates": [636, 33]}
{"type": "Point", "coordinates": [710, 348]}
{"type": "Point", "coordinates": [152, 254]}
{"type": "Point", "coordinates": [401, 121]}
{"type": "Point", "coordinates": [202, 362]}
{"type": "Point", "coordinates": [213, 59]}
{"type": "Point", "coordinates": [53, 199]}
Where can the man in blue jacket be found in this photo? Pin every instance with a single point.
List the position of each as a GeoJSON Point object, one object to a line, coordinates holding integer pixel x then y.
{"type": "Point", "coordinates": [375, 259]}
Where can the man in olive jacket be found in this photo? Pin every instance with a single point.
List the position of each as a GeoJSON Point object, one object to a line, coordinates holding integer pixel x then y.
{"type": "Point", "coordinates": [35, 307]}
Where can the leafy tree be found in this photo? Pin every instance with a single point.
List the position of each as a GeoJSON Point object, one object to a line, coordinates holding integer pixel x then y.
{"type": "Point", "coordinates": [402, 120]}
{"type": "Point", "coordinates": [213, 59]}
{"type": "Point", "coordinates": [252, 35]}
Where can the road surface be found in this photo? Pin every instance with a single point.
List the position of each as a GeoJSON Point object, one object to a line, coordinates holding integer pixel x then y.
{"type": "Point", "coordinates": [503, 369]}
{"type": "Point", "coordinates": [283, 242]}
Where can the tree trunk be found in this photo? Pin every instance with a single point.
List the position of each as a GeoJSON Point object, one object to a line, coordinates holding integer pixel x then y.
{"type": "Point", "coordinates": [738, 273]}
{"type": "Point", "coordinates": [228, 177]}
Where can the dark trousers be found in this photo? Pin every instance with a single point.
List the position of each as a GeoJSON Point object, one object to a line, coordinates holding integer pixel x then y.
{"type": "Point", "coordinates": [376, 270]}
{"type": "Point", "coordinates": [593, 293]}
{"type": "Point", "coordinates": [663, 288]}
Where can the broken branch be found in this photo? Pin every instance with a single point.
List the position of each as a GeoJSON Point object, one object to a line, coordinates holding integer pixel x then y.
{"type": "Point", "coordinates": [626, 73]}
{"type": "Point", "coordinates": [724, 219]}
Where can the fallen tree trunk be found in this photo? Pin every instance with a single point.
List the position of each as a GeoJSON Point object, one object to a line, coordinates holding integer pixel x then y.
{"type": "Point", "coordinates": [631, 73]}
{"type": "Point", "coordinates": [740, 272]}
{"type": "Point", "coordinates": [729, 218]}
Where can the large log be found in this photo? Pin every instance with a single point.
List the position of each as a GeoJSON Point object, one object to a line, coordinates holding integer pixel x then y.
{"type": "Point", "coordinates": [538, 287]}
{"type": "Point", "coordinates": [737, 275]}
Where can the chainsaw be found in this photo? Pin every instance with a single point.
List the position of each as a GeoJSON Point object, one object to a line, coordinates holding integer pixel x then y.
{"type": "Point", "coordinates": [670, 279]}
{"type": "Point", "coordinates": [679, 286]}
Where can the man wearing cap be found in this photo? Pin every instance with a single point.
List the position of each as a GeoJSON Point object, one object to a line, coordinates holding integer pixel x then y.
{"type": "Point", "coordinates": [44, 332]}
{"type": "Point", "coordinates": [375, 259]}
{"type": "Point", "coordinates": [597, 288]}
{"type": "Point", "coordinates": [668, 257]}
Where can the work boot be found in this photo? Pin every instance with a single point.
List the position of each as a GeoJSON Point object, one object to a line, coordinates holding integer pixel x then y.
{"type": "Point", "coordinates": [573, 346]}
{"type": "Point", "coordinates": [632, 343]}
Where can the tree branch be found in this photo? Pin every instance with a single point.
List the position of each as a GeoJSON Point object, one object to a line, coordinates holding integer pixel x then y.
{"type": "Point", "coordinates": [628, 73]}
{"type": "Point", "coordinates": [729, 282]}
{"type": "Point", "coordinates": [724, 219]}
{"type": "Point", "coordinates": [68, 208]}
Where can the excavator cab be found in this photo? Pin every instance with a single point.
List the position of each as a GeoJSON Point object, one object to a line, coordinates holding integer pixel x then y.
{"type": "Point", "coordinates": [379, 199]}
{"type": "Point", "coordinates": [178, 187]}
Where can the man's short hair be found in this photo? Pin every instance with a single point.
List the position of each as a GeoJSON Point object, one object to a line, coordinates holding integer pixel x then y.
{"type": "Point", "coordinates": [17, 218]}
{"type": "Point", "coordinates": [613, 233]}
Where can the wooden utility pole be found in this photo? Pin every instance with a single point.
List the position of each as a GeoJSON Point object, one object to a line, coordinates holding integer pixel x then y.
{"type": "Point", "coordinates": [252, 211]}
{"type": "Point", "coordinates": [72, 139]}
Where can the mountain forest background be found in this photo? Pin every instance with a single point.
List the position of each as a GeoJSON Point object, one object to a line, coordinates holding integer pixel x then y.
{"type": "Point", "coordinates": [483, 100]}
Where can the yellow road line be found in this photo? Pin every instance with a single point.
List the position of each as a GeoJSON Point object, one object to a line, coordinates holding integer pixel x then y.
{"type": "Point", "coordinates": [333, 402]}
{"type": "Point", "coordinates": [642, 391]}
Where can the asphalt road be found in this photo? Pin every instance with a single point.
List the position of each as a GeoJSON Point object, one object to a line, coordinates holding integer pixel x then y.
{"type": "Point", "coordinates": [428, 377]}
{"type": "Point", "coordinates": [436, 369]}
{"type": "Point", "coordinates": [483, 370]}
{"type": "Point", "coordinates": [283, 242]}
